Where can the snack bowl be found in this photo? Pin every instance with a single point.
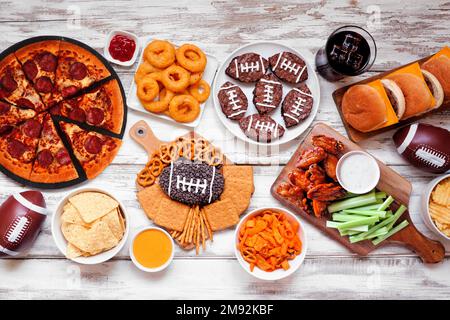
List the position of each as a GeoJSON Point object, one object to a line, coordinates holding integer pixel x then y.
{"type": "Point", "coordinates": [61, 242]}
{"type": "Point", "coordinates": [135, 260]}
{"type": "Point", "coordinates": [279, 273]}
{"type": "Point", "coordinates": [130, 35]}
{"type": "Point", "coordinates": [425, 201]}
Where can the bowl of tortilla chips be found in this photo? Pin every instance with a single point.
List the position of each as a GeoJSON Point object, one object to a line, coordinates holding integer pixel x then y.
{"type": "Point", "coordinates": [90, 226]}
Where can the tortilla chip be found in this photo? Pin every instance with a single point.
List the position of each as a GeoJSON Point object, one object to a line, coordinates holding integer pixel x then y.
{"type": "Point", "coordinates": [150, 198]}
{"type": "Point", "coordinates": [243, 173]}
{"type": "Point", "coordinates": [239, 192]}
{"type": "Point", "coordinates": [121, 219]}
{"type": "Point", "coordinates": [73, 252]}
{"type": "Point", "coordinates": [113, 221]}
{"type": "Point", "coordinates": [71, 215]}
{"type": "Point", "coordinates": [221, 214]}
{"type": "Point", "coordinates": [171, 214]}
{"type": "Point", "coordinates": [94, 240]}
{"type": "Point", "coordinates": [93, 205]}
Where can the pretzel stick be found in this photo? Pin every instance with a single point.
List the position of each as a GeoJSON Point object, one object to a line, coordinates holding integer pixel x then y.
{"type": "Point", "coordinates": [208, 227]}
{"type": "Point", "coordinates": [191, 233]}
{"type": "Point", "coordinates": [197, 240]}
{"type": "Point", "coordinates": [202, 227]}
{"type": "Point", "coordinates": [186, 225]}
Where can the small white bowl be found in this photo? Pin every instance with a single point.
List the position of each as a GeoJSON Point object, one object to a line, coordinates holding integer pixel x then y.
{"type": "Point", "coordinates": [277, 274]}
{"type": "Point", "coordinates": [370, 186]}
{"type": "Point", "coordinates": [61, 242]}
{"type": "Point", "coordinates": [141, 267]}
{"type": "Point", "coordinates": [425, 200]}
{"type": "Point", "coordinates": [108, 56]}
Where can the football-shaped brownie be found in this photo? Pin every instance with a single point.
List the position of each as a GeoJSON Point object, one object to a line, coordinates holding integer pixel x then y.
{"type": "Point", "coordinates": [248, 67]}
{"type": "Point", "coordinates": [289, 67]}
{"type": "Point", "coordinates": [21, 218]}
{"type": "Point", "coordinates": [297, 105]}
{"type": "Point", "coordinates": [233, 101]}
{"type": "Point", "coordinates": [424, 146]}
{"type": "Point", "coordinates": [261, 128]}
{"type": "Point", "coordinates": [191, 183]}
{"type": "Point", "coordinates": [267, 94]}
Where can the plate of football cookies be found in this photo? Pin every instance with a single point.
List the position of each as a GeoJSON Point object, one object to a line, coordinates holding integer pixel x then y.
{"type": "Point", "coordinates": [189, 188]}
{"type": "Point", "coordinates": [173, 82]}
{"type": "Point", "coordinates": [266, 93]}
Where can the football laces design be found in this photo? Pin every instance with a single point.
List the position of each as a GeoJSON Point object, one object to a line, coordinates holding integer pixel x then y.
{"type": "Point", "coordinates": [249, 67]}
{"type": "Point", "coordinates": [232, 98]}
{"type": "Point", "coordinates": [265, 126]}
{"type": "Point", "coordinates": [298, 106]}
{"type": "Point", "coordinates": [190, 185]}
{"type": "Point", "coordinates": [431, 157]}
{"type": "Point", "coordinates": [17, 230]}
{"type": "Point", "coordinates": [290, 66]}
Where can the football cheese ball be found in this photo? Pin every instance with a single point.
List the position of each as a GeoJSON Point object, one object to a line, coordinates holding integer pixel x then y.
{"type": "Point", "coordinates": [21, 218]}
{"type": "Point", "coordinates": [424, 146]}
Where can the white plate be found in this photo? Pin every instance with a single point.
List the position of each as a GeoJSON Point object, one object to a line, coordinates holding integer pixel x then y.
{"type": "Point", "coordinates": [277, 274]}
{"type": "Point", "coordinates": [208, 75]}
{"type": "Point", "coordinates": [266, 49]}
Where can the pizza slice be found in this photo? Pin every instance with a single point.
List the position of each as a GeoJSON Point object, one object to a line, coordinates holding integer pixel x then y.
{"type": "Point", "coordinates": [14, 86]}
{"type": "Point", "coordinates": [93, 150]}
{"type": "Point", "coordinates": [102, 107]}
{"type": "Point", "coordinates": [77, 69]}
{"type": "Point", "coordinates": [53, 163]}
{"type": "Point", "coordinates": [11, 115]}
{"type": "Point", "coordinates": [39, 61]}
{"type": "Point", "coordinates": [18, 148]}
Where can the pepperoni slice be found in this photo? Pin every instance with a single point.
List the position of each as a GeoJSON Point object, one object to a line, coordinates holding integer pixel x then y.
{"type": "Point", "coordinates": [93, 144]}
{"type": "Point", "coordinates": [77, 114]}
{"type": "Point", "coordinates": [78, 71]}
{"type": "Point", "coordinates": [44, 85]}
{"type": "Point", "coordinates": [69, 91]}
{"type": "Point", "coordinates": [30, 69]}
{"type": "Point", "coordinates": [32, 128]}
{"type": "Point", "coordinates": [95, 116]}
{"type": "Point", "coordinates": [8, 83]}
{"type": "Point", "coordinates": [5, 129]}
{"type": "Point", "coordinates": [47, 131]}
{"type": "Point", "coordinates": [56, 110]}
{"type": "Point", "coordinates": [47, 61]}
{"type": "Point", "coordinates": [45, 158]}
{"type": "Point", "coordinates": [16, 148]}
{"type": "Point", "coordinates": [4, 107]}
{"type": "Point", "coordinates": [63, 157]}
{"type": "Point", "coordinates": [25, 103]}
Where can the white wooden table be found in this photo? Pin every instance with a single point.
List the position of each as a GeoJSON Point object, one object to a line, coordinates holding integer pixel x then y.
{"type": "Point", "coordinates": [404, 31]}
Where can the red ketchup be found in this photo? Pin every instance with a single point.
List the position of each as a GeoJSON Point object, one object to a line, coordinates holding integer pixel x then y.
{"type": "Point", "coordinates": [122, 48]}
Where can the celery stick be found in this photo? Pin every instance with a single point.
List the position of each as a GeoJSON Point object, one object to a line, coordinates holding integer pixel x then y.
{"type": "Point", "coordinates": [386, 204]}
{"type": "Point", "coordinates": [370, 207]}
{"type": "Point", "coordinates": [393, 231]}
{"type": "Point", "coordinates": [381, 214]}
{"type": "Point", "coordinates": [348, 232]}
{"type": "Point", "coordinates": [359, 222]}
{"type": "Point", "coordinates": [332, 224]}
{"type": "Point", "coordinates": [366, 199]}
{"type": "Point", "coordinates": [379, 232]}
{"type": "Point", "coordinates": [381, 195]}
{"type": "Point", "coordinates": [346, 217]}
{"type": "Point", "coordinates": [397, 215]}
{"type": "Point", "coordinates": [388, 214]}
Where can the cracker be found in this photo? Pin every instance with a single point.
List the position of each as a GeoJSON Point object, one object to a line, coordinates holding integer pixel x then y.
{"type": "Point", "coordinates": [149, 198]}
{"type": "Point", "coordinates": [221, 214]}
{"type": "Point", "coordinates": [71, 215]}
{"type": "Point", "coordinates": [93, 205]}
{"type": "Point", "coordinates": [113, 221]}
{"type": "Point", "coordinates": [239, 192]}
{"type": "Point", "coordinates": [243, 173]}
{"type": "Point", "coordinates": [171, 214]}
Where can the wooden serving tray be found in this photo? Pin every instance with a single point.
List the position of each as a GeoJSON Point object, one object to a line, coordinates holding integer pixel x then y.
{"type": "Point", "coordinates": [358, 136]}
{"type": "Point", "coordinates": [390, 182]}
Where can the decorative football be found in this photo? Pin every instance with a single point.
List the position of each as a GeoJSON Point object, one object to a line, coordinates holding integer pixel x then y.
{"type": "Point", "coordinates": [192, 183]}
{"type": "Point", "coordinates": [21, 218]}
{"type": "Point", "coordinates": [425, 146]}
{"type": "Point", "coordinates": [297, 105]}
{"type": "Point", "coordinates": [233, 101]}
{"type": "Point", "coordinates": [289, 67]}
{"type": "Point", "coordinates": [261, 128]}
{"type": "Point", "coordinates": [248, 67]}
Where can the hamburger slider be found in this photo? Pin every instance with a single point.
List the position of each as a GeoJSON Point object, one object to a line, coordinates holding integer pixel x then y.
{"type": "Point", "coordinates": [439, 66]}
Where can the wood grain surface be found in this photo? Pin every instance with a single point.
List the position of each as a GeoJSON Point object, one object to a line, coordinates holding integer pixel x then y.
{"type": "Point", "coordinates": [404, 31]}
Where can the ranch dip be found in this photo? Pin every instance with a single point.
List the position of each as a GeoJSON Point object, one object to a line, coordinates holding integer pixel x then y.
{"type": "Point", "coordinates": [358, 172]}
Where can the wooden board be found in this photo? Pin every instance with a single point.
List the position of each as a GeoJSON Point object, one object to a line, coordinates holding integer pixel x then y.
{"type": "Point", "coordinates": [390, 182]}
{"type": "Point", "coordinates": [358, 136]}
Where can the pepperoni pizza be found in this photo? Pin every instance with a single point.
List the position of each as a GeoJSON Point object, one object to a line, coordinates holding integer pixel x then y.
{"type": "Point", "coordinates": [62, 112]}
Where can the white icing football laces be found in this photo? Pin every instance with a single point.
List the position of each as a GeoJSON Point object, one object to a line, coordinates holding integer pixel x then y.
{"type": "Point", "coordinates": [248, 67]}
{"type": "Point", "coordinates": [268, 97]}
{"type": "Point", "coordinates": [233, 99]}
{"type": "Point", "coordinates": [191, 186]}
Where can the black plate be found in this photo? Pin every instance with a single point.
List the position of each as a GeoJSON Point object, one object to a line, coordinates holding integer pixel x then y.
{"type": "Point", "coordinates": [82, 176]}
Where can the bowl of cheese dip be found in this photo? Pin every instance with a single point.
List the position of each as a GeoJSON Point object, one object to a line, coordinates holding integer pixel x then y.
{"type": "Point", "coordinates": [358, 172]}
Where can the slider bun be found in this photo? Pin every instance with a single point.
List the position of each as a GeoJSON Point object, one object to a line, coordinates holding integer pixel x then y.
{"type": "Point", "coordinates": [417, 96]}
{"type": "Point", "coordinates": [435, 87]}
{"type": "Point", "coordinates": [440, 68]}
{"type": "Point", "coordinates": [396, 97]}
{"type": "Point", "coordinates": [363, 108]}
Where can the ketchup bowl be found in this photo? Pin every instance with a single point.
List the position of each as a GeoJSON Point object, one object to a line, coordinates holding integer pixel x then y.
{"type": "Point", "coordinates": [121, 48]}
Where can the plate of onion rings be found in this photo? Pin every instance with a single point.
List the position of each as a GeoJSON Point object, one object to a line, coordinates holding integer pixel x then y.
{"type": "Point", "coordinates": [173, 82]}
{"type": "Point", "coordinates": [227, 78]}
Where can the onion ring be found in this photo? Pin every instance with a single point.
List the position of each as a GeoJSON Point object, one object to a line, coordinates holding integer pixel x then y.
{"type": "Point", "coordinates": [195, 77]}
{"type": "Point", "coordinates": [144, 69]}
{"type": "Point", "coordinates": [191, 58]}
{"type": "Point", "coordinates": [161, 105]}
{"type": "Point", "coordinates": [175, 78]}
{"type": "Point", "coordinates": [147, 89]}
{"type": "Point", "coordinates": [184, 108]}
{"type": "Point", "coordinates": [200, 91]}
{"type": "Point", "coordinates": [160, 54]}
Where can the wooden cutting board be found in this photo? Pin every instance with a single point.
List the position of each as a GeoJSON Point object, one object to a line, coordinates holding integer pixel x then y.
{"type": "Point", "coordinates": [145, 137]}
{"type": "Point", "coordinates": [390, 182]}
{"type": "Point", "coordinates": [358, 136]}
